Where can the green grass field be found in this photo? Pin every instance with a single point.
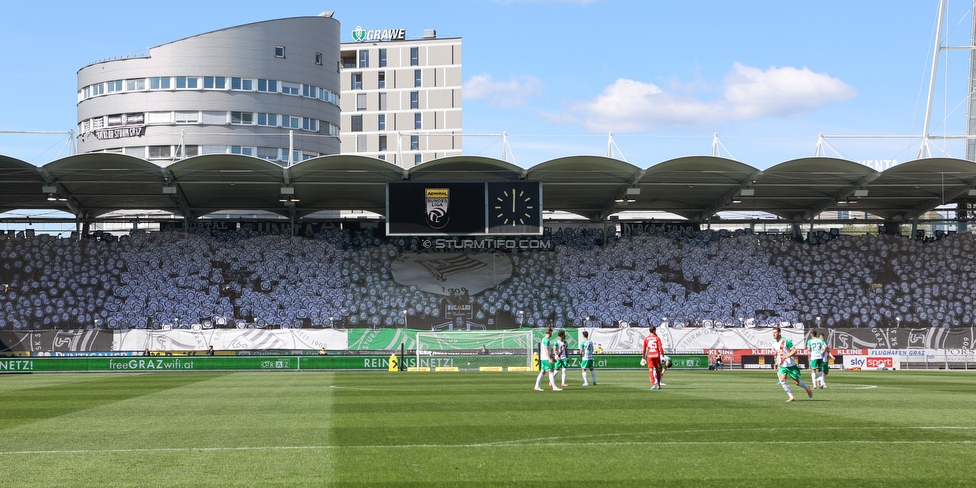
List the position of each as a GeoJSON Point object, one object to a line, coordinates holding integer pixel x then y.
{"type": "Point", "coordinates": [731, 428]}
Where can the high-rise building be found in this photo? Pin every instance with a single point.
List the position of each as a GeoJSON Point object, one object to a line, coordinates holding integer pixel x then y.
{"type": "Point", "coordinates": [401, 98]}
{"type": "Point", "coordinates": [267, 89]}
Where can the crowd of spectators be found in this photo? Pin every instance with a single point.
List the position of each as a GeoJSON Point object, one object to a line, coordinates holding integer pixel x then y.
{"type": "Point", "coordinates": [338, 278]}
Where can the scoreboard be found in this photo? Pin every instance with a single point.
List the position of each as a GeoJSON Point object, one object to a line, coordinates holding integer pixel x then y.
{"type": "Point", "coordinates": [463, 208]}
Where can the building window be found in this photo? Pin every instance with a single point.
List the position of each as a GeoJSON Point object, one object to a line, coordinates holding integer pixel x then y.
{"type": "Point", "coordinates": [270, 153]}
{"type": "Point", "coordinates": [187, 117]}
{"type": "Point", "coordinates": [279, 51]}
{"type": "Point", "coordinates": [157, 118]}
{"type": "Point", "coordinates": [114, 86]}
{"type": "Point", "coordinates": [247, 151]}
{"type": "Point", "coordinates": [357, 123]}
{"type": "Point", "coordinates": [245, 84]}
{"type": "Point", "coordinates": [382, 101]}
{"type": "Point", "coordinates": [190, 151]}
{"type": "Point", "coordinates": [290, 122]}
{"type": "Point", "coordinates": [158, 83]}
{"type": "Point", "coordinates": [364, 58]}
{"type": "Point", "coordinates": [135, 85]}
{"type": "Point", "coordinates": [185, 83]}
{"type": "Point", "coordinates": [381, 122]}
{"type": "Point", "coordinates": [360, 101]}
{"type": "Point", "coordinates": [241, 118]}
{"type": "Point", "coordinates": [417, 159]}
{"type": "Point", "coordinates": [214, 117]}
{"type": "Point", "coordinates": [214, 82]}
{"type": "Point", "coordinates": [417, 120]}
{"type": "Point", "coordinates": [268, 119]}
{"type": "Point", "coordinates": [357, 81]}
{"type": "Point", "coordinates": [290, 88]}
{"type": "Point", "coordinates": [414, 100]}
{"type": "Point", "coordinates": [361, 143]}
{"type": "Point", "coordinates": [159, 152]}
{"type": "Point", "coordinates": [318, 59]}
{"type": "Point", "coordinates": [414, 143]}
{"type": "Point", "coordinates": [382, 58]}
{"type": "Point", "coordinates": [270, 86]}
{"type": "Point", "coordinates": [310, 124]}
{"type": "Point", "coordinates": [382, 143]}
{"type": "Point", "coordinates": [416, 77]}
{"type": "Point", "coordinates": [415, 56]}
{"type": "Point", "coordinates": [381, 79]}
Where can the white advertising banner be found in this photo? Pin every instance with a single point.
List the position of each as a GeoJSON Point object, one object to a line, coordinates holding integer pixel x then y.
{"type": "Point", "coordinates": [872, 362]}
{"type": "Point", "coordinates": [229, 339]}
{"type": "Point", "coordinates": [629, 339]}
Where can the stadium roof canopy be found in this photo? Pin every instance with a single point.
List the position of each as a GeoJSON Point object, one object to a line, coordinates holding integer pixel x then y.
{"type": "Point", "coordinates": [696, 187]}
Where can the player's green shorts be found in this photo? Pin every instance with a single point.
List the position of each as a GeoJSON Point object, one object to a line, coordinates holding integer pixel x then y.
{"type": "Point", "coordinates": [792, 371]}
{"type": "Point", "coordinates": [825, 366]}
{"type": "Point", "coordinates": [816, 364]}
{"type": "Point", "coordinates": [560, 364]}
{"type": "Point", "coordinates": [586, 364]}
{"type": "Point", "coordinates": [545, 365]}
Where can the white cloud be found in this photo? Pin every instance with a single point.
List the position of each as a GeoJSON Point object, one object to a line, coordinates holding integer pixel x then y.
{"type": "Point", "coordinates": [747, 94]}
{"type": "Point", "coordinates": [502, 94]}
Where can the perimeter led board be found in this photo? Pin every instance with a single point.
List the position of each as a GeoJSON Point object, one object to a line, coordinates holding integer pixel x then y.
{"type": "Point", "coordinates": [463, 208]}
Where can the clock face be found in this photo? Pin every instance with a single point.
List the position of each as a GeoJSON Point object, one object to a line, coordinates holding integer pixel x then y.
{"type": "Point", "coordinates": [514, 208]}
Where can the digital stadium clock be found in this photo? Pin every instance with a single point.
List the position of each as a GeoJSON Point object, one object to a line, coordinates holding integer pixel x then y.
{"type": "Point", "coordinates": [464, 208]}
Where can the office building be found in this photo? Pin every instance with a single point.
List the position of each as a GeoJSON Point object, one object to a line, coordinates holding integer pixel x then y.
{"type": "Point", "coordinates": [401, 98]}
{"type": "Point", "coordinates": [267, 89]}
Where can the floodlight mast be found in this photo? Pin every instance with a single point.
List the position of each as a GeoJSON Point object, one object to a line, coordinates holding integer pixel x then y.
{"type": "Point", "coordinates": [923, 151]}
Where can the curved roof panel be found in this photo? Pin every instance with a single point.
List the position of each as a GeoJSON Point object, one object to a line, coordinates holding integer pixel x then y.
{"type": "Point", "coordinates": [694, 187]}
{"type": "Point", "coordinates": [99, 183]}
{"type": "Point", "coordinates": [910, 189]}
{"type": "Point", "coordinates": [22, 186]}
{"type": "Point", "coordinates": [215, 182]}
{"type": "Point", "coordinates": [584, 185]}
{"type": "Point", "coordinates": [342, 182]}
{"type": "Point", "coordinates": [803, 188]}
{"type": "Point", "coordinates": [465, 168]}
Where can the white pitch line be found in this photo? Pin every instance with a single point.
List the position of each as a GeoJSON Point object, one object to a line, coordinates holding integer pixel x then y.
{"type": "Point", "coordinates": [479, 446]}
{"type": "Point", "coordinates": [716, 431]}
{"type": "Point", "coordinates": [548, 441]}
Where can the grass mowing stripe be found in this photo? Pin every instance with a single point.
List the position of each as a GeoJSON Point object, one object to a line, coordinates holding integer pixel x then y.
{"type": "Point", "coordinates": [54, 400]}
{"type": "Point", "coordinates": [490, 429]}
{"type": "Point", "coordinates": [480, 446]}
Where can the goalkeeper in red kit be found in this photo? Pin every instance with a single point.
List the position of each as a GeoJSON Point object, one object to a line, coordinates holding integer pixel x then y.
{"type": "Point", "coordinates": [651, 355]}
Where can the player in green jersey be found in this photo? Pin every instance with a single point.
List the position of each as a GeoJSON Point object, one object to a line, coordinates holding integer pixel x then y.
{"type": "Point", "coordinates": [561, 356]}
{"type": "Point", "coordinates": [816, 346]}
{"type": "Point", "coordinates": [586, 358]}
{"type": "Point", "coordinates": [786, 363]}
{"type": "Point", "coordinates": [546, 357]}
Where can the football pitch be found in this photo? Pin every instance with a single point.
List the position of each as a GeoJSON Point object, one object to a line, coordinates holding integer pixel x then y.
{"type": "Point", "coordinates": [728, 428]}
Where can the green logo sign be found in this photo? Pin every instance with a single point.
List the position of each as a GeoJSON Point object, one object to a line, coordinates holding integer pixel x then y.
{"type": "Point", "coordinates": [359, 34]}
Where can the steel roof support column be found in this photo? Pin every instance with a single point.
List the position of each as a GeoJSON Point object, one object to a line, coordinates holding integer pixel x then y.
{"type": "Point", "coordinates": [923, 151]}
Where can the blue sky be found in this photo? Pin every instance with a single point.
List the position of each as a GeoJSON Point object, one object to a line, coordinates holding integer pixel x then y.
{"type": "Point", "coordinates": [559, 75]}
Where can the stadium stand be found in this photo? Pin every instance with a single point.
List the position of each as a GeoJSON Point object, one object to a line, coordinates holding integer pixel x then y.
{"type": "Point", "coordinates": [339, 278]}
